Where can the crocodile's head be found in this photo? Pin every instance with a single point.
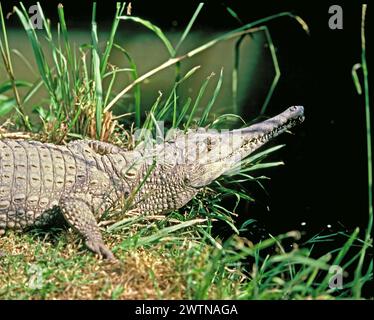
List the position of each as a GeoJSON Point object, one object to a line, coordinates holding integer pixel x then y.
{"type": "Point", "coordinates": [210, 154]}
{"type": "Point", "coordinates": [187, 161]}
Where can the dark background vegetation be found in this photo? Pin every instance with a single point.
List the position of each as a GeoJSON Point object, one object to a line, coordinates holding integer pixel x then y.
{"type": "Point", "coordinates": [324, 181]}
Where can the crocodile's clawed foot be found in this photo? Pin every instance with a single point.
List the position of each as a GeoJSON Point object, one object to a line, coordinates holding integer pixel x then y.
{"type": "Point", "coordinates": [102, 250]}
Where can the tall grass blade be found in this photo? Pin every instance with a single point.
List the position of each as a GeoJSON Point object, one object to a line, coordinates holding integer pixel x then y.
{"type": "Point", "coordinates": [276, 69]}
{"type": "Point", "coordinates": [96, 74]}
{"type": "Point", "coordinates": [368, 238]}
{"type": "Point", "coordinates": [120, 7]}
{"type": "Point", "coordinates": [137, 89]}
{"type": "Point", "coordinates": [212, 100]}
{"type": "Point", "coordinates": [198, 99]}
{"type": "Point", "coordinates": [155, 29]}
{"type": "Point", "coordinates": [189, 26]}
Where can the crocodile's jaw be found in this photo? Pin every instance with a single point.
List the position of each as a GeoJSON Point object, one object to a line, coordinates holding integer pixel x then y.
{"type": "Point", "coordinates": [227, 149]}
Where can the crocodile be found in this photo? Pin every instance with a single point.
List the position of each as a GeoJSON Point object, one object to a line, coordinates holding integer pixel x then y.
{"type": "Point", "coordinates": [43, 182]}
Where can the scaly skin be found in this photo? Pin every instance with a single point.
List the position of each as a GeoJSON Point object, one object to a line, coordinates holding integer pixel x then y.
{"type": "Point", "coordinates": [41, 182]}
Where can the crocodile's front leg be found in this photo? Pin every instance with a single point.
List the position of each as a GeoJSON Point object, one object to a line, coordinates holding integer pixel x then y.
{"type": "Point", "coordinates": [80, 216]}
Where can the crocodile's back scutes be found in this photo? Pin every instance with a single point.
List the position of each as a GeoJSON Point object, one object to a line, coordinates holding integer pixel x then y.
{"type": "Point", "coordinates": [33, 175]}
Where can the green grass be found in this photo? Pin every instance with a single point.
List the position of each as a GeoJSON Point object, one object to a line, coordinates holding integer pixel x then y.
{"type": "Point", "coordinates": [368, 235]}
{"type": "Point", "coordinates": [172, 257]}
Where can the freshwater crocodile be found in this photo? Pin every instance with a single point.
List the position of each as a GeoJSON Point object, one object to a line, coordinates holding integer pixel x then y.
{"type": "Point", "coordinates": [79, 181]}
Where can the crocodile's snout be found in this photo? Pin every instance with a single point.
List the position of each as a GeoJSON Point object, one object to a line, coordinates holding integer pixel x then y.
{"type": "Point", "coordinates": [296, 112]}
